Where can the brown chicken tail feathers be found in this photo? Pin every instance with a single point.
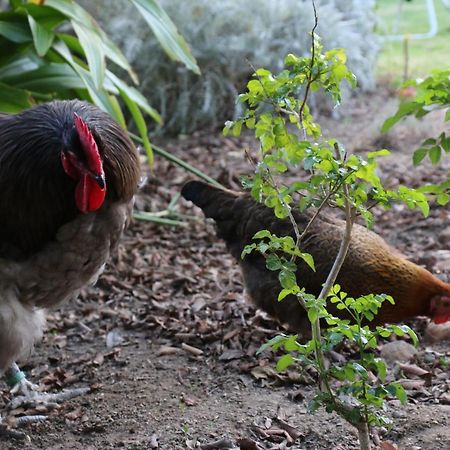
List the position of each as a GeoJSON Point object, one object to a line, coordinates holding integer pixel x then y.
{"type": "Point", "coordinates": [214, 201]}
{"type": "Point", "coordinates": [195, 192]}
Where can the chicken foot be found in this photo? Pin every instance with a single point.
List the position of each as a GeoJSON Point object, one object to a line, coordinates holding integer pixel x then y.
{"type": "Point", "coordinates": [29, 398]}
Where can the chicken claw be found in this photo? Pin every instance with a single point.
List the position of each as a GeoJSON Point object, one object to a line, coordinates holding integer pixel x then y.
{"type": "Point", "coordinates": [29, 398]}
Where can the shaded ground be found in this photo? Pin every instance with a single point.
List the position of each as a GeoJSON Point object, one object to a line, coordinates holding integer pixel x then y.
{"type": "Point", "coordinates": [168, 342]}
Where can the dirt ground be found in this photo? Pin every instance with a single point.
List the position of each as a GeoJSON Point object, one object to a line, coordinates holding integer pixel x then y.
{"type": "Point", "coordinates": [167, 341]}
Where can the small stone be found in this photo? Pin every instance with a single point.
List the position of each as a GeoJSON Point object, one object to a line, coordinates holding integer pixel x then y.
{"type": "Point", "coordinates": [437, 333]}
{"type": "Point", "coordinates": [444, 236]}
{"type": "Point", "coordinates": [398, 351]}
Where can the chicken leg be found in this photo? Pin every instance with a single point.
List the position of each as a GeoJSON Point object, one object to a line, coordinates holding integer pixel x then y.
{"type": "Point", "coordinates": [28, 397]}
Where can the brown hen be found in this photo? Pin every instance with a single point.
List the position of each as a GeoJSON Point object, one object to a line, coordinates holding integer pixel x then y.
{"type": "Point", "coordinates": [371, 265]}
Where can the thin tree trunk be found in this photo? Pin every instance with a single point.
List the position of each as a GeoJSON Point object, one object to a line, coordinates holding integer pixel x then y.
{"type": "Point", "coordinates": [363, 435]}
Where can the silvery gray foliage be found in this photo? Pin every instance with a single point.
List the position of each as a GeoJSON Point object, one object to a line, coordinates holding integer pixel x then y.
{"type": "Point", "coordinates": [227, 38]}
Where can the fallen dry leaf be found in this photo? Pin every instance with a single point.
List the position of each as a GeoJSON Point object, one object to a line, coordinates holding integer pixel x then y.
{"type": "Point", "coordinates": [248, 444]}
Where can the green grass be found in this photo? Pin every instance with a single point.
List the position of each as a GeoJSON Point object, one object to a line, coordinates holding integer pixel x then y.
{"type": "Point", "coordinates": [425, 54]}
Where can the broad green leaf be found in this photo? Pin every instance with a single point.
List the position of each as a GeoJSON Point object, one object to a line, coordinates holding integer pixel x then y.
{"type": "Point", "coordinates": [273, 262]}
{"type": "Point", "coordinates": [273, 343]}
{"type": "Point", "coordinates": [77, 13]}
{"type": "Point", "coordinates": [42, 37]}
{"type": "Point", "coordinates": [13, 100]}
{"type": "Point", "coordinates": [412, 334]}
{"type": "Point", "coordinates": [443, 198]}
{"type": "Point", "coordinates": [404, 109]}
{"type": "Point", "coordinates": [247, 250]}
{"type": "Point", "coordinates": [435, 154]}
{"type": "Point", "coordinates": [141, 125]}
{"type": "Point", "coordinates": [419, 155]}
{"type": "Point", "coordinates": [262, 234]}
{"type": "Point", "coordinates": [114, 53]}
{"type": "Point", "coordinates": [15, 32]}
{"type": "Point", "coordinates": [284, 362]}
{"type": "Point", "coordinates": [48, 78]}
{"type": "Point", "coordinates": [237, 127]}
{"type": "Point", "coordinates": [291, 344]}
{"type": "Point", "coordinates": [397, 390]}
{"type": "Point", "coordinates": [135, 96]}
{"type": "Point", "coordinates": [445, 143]}
{"type": "Point", "coordinates": [382, 152]}
{"type": "Point", "coordinates": [93, 50]}
{"type": "Point", "coordinates": [429, 141]}
{"type": "Point", "coordinates": [287, 279]}
{"type": "Point", "coordinates": [118, 114]}
{"type": "Point", "coordinates": [312, 314]}
{"type": "Point", "coordinates": [99, 97]}
{"type": "Point", "coordinates": [105, 46]}
{"type": "Point", "coordinates": [166, 33]}
{"type": "Point", "coordinates": [308, 260]}
{"type": "Point", "coordinates": [73, 11]}
{"type": "Point", "coordinates": [424, 208]}
{"type": "Point", "coordinates": [45, 15]}
{"type": "Point", "coordinates": [18, 65]}
{"type": "Point", "coordinates": [284, 293]}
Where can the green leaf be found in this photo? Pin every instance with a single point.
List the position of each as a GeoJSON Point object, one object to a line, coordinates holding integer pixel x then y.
{"type": "Point", "coordinates": [83, 18]}
{"type": "Point", "coordinates": [99, 97]}
{"type": "Point", "coordinates": [237, 127]}
{"type": "Point", "coordinates": [275, 342]}
{"type": "Point", "coordinates": [247, 250]}
{"type": "Point", "coordinates": [398, 391]}
{"type": "Point", "coordinates": [273, 262]}
{"type": "Point", "coordinates": [419, 155]}
{"type": "Point", "coordinates": [15, 32]}
{"type": "Point", "coordinates": [49, 78]}
{"type": "Point", "coordinates": [166, 33]}
{"type": "Point", "coordinates": [412, 335]}
{"type": "Point", "coordinates": [13, 100]}
{"type": "Point", "coordinates": [404, 109]}
{"type": "Point", "coordinates": [291, 344]}
{"type": "Point", "coordinates": [398, 330]}
{"type": "Point", "coordinates": [141, 125]}
{"type": "Point", "coordinates": [382, 152]}
{"type": "Point", "coordinates": [445, 143]}
{"type": "Point", "coordinates": [287, 279]}
{"type": "Point", "coordinates": [284, 293]}
{"type": "Point", "coordinates": [443, 198]}
{"type": "Point", "coordinates": [262, 234]}
{"type": "Point", "coordinates": [42, 37]}
{"type": "Point", "coordinates": [308, 260]}
{"type": "Point", "coordinates": [435, 154]}
{"type": "Point", "coordinates": [135, 96]}
{"type": "Point", "coordinates": [114, 53]}
{"type": "Point", "coordinates": [93, 50]}
{"type": "Point", "coordinates": [313, 314]}
{"type": "Point", "coordinates": [424, 208]}
{"type": "Point", "coordinates": [284, 362]}
{"type": "Point", "coordinates": [72, 10]}
{"type": "Point", "coordinates": [46, 16]}
{"type": "Point", "coordinates": [19, 64]}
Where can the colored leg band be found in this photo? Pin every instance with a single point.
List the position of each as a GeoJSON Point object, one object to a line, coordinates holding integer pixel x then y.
{"type": "Point", "coordinates": [15, 378]}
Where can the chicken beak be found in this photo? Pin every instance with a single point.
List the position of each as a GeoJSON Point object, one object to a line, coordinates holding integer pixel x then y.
{"type": "Point", "coordinates": [100, 180]}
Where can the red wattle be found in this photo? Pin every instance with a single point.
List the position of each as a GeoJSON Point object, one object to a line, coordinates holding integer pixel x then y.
{"type": "Point", "coordinates": [88, 194]}
{"type": "Point", "coordinates": [440, 319]}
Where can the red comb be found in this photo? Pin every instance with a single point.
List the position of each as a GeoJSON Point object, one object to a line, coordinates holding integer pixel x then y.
{"type": "Point", "coordinates": [89, 145]}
